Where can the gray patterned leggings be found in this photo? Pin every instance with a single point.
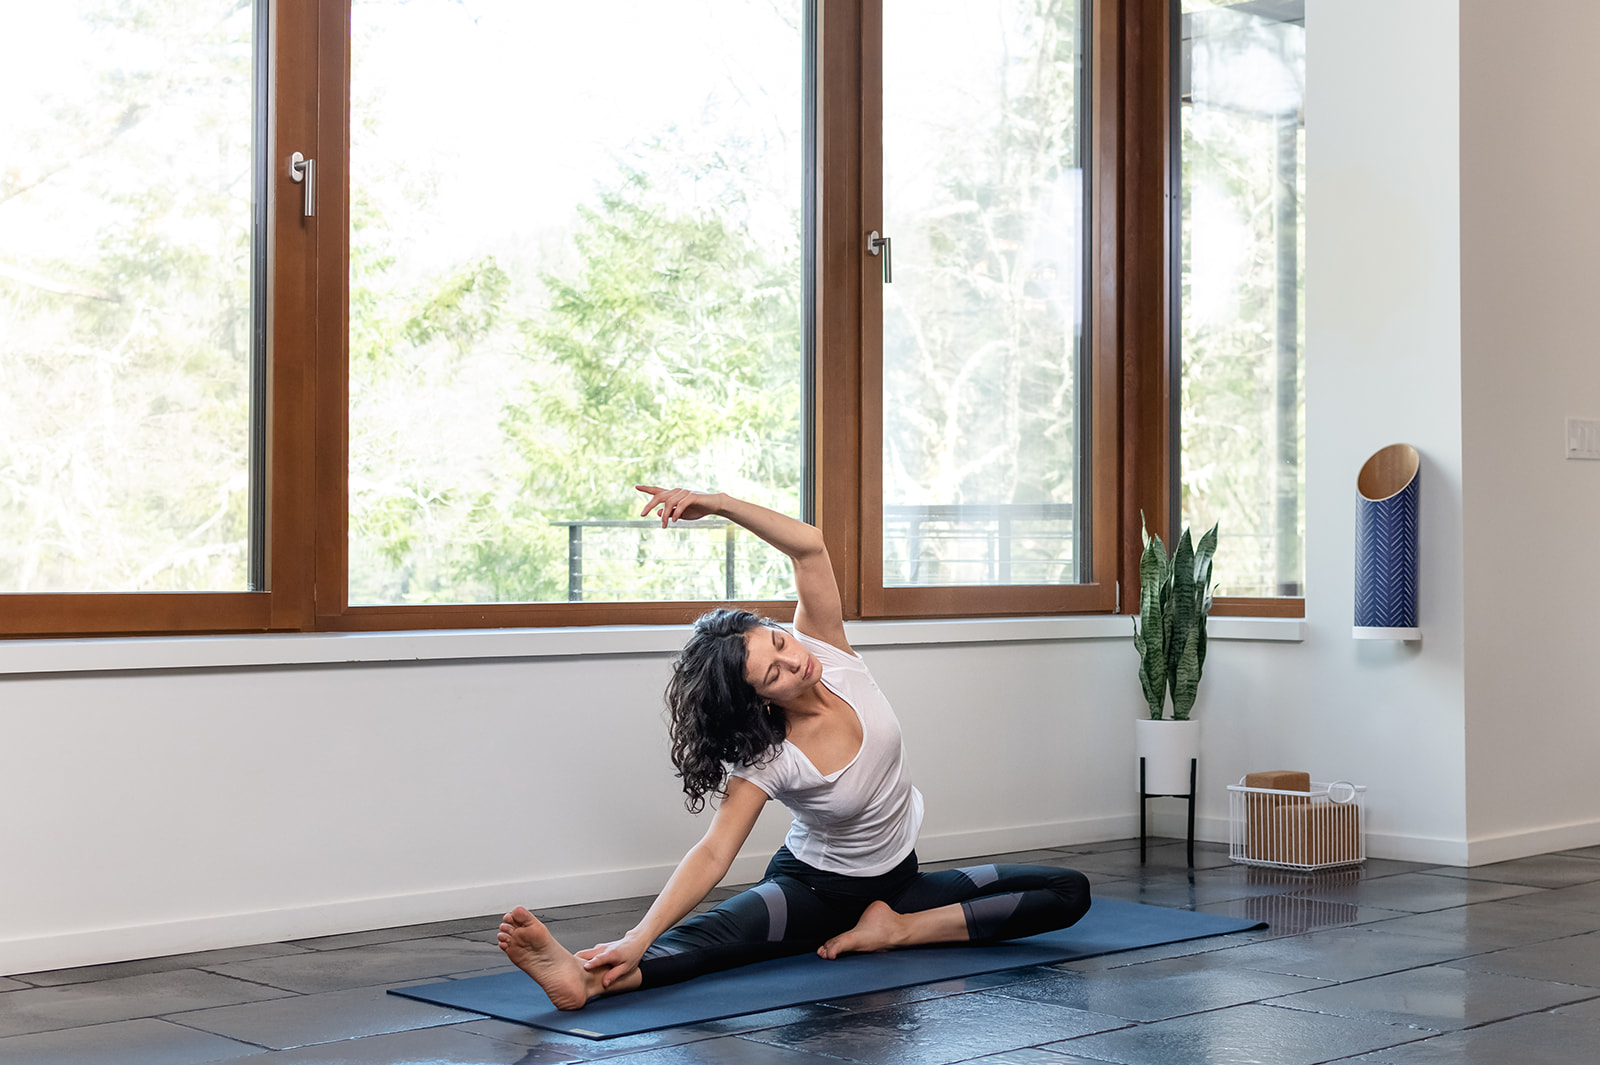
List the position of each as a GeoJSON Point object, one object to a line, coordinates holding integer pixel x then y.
{"type": "Point", "coordinates": [797, 907]}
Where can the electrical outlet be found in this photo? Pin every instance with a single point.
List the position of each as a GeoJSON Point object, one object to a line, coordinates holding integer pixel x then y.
{"type": "Point", "coordinates": [1583, 438]}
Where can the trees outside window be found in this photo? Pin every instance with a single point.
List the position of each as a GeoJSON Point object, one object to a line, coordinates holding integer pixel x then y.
{"type": "Point", "coordinates": [564, 284]}
{"type": "Point", "coordinates": [1241, 87]}
{"type": "Point", "coordinates": [539, 272]}
{"type": "Point", "coordinates": [126, 313]}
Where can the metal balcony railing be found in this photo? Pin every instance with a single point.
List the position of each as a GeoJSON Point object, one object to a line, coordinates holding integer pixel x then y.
{"type": "Point", "coordinates": [922, 543]}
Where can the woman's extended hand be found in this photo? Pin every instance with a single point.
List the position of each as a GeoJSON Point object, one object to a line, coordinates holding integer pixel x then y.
{"type": "Point", "coordinates": [677, 504]}
{"type": "Point", "coordinates": [618, 957]}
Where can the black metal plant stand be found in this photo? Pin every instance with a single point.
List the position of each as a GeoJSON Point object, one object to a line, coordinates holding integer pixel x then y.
{"type": "Point", "coordinates": [1143, 795]}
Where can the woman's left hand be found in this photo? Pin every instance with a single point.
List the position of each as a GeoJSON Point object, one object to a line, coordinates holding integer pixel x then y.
{"type": "Point", "coordinates": [618, 957]}
{"type": "Point", "coordinates": [677, 504]}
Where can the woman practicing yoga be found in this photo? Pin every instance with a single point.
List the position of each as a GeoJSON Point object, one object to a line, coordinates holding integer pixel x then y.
{"type": "Point", "coordinates": [761, 712]}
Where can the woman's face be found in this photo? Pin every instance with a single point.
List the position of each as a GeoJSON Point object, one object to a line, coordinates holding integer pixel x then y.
{"type": "Point", "coordinates": [777, 666]}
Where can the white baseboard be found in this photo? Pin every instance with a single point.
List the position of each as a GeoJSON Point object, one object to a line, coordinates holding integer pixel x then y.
{"type": "Point", "coordinates": [61, 950]}
{"type": "Point", "coordinates": [1483, 850]}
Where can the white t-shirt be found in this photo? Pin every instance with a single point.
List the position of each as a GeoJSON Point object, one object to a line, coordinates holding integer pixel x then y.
{"type": "Point", "coordinates": [863, 819]}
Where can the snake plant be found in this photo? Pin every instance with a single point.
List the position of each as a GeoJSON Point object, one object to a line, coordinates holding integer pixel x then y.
{"type": "Point", "coordinates": [1170, 631]}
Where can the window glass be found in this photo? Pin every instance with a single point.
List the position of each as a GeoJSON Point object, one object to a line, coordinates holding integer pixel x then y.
{"type": "Point", "coordinates": [983, 325]}
{"type": "Point", "coordinates": [575, 266]}
{"type": "Point", "coordinates": [1241, 81]}
{"type": "Point", "coordinates": [126, 317]}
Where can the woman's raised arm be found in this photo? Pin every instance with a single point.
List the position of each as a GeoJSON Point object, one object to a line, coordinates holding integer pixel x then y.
{"type": "Point", "coordinates": [820, 612]}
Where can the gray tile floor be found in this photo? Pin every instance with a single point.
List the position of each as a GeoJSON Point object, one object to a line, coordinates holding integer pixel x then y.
{"type": "Point", "coordinates": [1393, 963]}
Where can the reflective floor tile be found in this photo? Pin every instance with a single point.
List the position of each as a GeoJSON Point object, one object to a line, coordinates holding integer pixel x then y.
{"type": "Point", "coordinates": [1545, 870]}
{"type": "Point", "coordinates": [1567, 1036]}
{"type": "Point", "coordinates": [1240, 1035]}
{"type": "Point", "coordinates": [1291, 915]}
{"type": "Point", "coordinates": [306, 1019]}
{"type": "Point", "coordinates": [383, 963]}
{"type": "Point", "coordinates": [1373, 868]}
{"type": "Point", "coordinates": [633, 904]}
{"type": "Point", "coordinates": [141, 1042]}
{"type": "Point", "coordinates": [1583, 852]}
{"type": "Point", "coordinates": [1159, 861]}
{"type": "Point", "coordinates": [43, 1009]}
{"type": "Point", "coordinates": [1494, 925]}
{"type": "Point", "coordinates": [7, 984]}
{"type": "Point", "coordinates": [1584, 897]}
{"type": "Point", "coordinates": [1437, 996]}
{"type": "Point", "coordinates": [467, 926]}
{"type": "Point", "coordinates": [1158, 989]}
{"type": "Point", "coordinates": [936, 1031]}
{"type": "Point", "coordinates": [1051, 856]}
{"type": "Point", "coordinates": [1574, 960]}
{"type": "Point", "coordinates": [172, 963]}
{"type": "Point", "coordinates": [1034, 1056]}
{"type": "Point", "coordinates": [428, 1046]}
{"type": "Point", "coordinates": [1416, 892]}
{"type": "Point", "coordinates": [1200, 888]}
{"type": "Point", "coordinates": [569, 1047]}
{"type": "Point", "coordinates": [580, 933]}
{"type": "Point", "coordinates": [1106, 846]}
{"type": "Point", "coordinates": [730, 1050]}
{"type": "Point", "coordinates": [1342, 954]}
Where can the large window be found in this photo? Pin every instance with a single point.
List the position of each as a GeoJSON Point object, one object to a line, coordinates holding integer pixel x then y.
{"type": "Point", "coordinates": [984, 393]}
{"type": "Point", "coordinates": [574, 266]}
{"type": "Point", "coordinates": [128, 323]}
{"type": "Point", "coordinates": [539, 253]}
{"type": "Point", "coordinates": [986, 204]}
{"type": "Point", "coordinates": [1241, 331]}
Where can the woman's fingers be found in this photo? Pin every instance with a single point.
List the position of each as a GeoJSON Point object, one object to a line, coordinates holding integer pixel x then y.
{"type": "Point", "coordinates": [620, 969]}
{"type": "Point", "coordinates": [655, 497]}
{"type": "Point", "coordinates": [597, 957]}
{"type": "Point", "coordinates": [672, 501]}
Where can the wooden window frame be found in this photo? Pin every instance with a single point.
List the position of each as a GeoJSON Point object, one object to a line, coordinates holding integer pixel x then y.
{"type": "Point", "coordinates": [308, 385]}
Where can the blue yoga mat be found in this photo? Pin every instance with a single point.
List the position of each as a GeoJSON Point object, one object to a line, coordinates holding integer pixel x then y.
{"type": "Point", "coordinates": [1109, 926]}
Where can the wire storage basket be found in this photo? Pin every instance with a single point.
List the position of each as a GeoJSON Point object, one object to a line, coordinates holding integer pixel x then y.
{"type": "Point", "coordinates": [1320, 828]}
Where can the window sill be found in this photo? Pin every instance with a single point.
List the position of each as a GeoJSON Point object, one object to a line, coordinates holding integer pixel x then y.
{"type": "Point", "coordinates": [342, 648]}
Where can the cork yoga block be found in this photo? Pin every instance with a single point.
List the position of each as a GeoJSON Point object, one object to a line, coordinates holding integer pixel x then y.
{"type": "Point", "coordinates": [1279, 780]}
{"type": "Point", "coordinates": [1294, 831]}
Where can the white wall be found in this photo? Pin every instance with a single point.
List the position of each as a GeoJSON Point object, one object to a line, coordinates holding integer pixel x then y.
{"type": "Point", "coordinates": [1383, 311]}
{"type": "Point", "coordinates": [1530, 150]}
{"type": "Point", "coordinates": [161, 811]}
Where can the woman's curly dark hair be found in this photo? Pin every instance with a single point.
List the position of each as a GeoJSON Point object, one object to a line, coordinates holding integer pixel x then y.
{"type": "Point", "coordinates": [714, 715]}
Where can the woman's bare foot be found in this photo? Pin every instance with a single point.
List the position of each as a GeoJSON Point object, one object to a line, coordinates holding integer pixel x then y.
{"type": "Point", "coordinates": [531, 947]}
{"type": "Point", "coordinates": [880, 928]}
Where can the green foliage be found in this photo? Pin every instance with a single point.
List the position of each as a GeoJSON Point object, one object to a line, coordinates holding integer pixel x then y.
{"type": "Point", "coordinates": [980, 340]}
{"type": "Point", "coordinates": [1170, 632]}
{"type": "Point", "coordinates": [1152, 629]}
{"type": "Point", "coordinates": [125, 307]}
{"type": "Point", "coordinates": [668, 353]}
{"type": "Point", "coordinates": [1242, 420]}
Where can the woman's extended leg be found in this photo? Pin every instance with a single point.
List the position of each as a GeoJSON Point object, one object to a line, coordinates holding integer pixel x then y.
{"type": "Point", "coordinates": [778, 917]}
{"type": "Point", "coordinates": [980, 903]}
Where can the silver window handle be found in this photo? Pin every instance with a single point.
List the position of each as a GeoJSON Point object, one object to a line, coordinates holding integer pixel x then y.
{"type": "Point", "coordinates": [304, 171]}
{"type": "Point", "coordinates": [876, 244]}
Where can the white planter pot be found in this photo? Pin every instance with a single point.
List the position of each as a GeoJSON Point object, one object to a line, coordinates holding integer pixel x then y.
{"type": "Point", "coordinates": [1166, 747]}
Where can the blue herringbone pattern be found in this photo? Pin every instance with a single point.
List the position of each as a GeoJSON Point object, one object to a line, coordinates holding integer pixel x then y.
{"type": "Point", "coordinates": [1386, 559]}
